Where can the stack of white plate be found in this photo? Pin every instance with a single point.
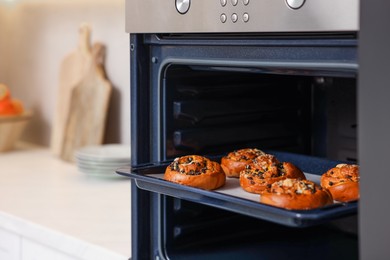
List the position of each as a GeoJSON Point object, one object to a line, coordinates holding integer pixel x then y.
{"type": "Point", "coordinates": [102, 160]}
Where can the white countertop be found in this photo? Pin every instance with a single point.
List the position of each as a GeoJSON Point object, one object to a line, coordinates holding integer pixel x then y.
{"type": "Point", "coordinates": [45, 197]}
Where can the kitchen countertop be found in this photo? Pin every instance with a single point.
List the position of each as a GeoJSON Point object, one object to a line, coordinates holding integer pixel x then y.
{"type": "Point", "coordinates": [49, 200]}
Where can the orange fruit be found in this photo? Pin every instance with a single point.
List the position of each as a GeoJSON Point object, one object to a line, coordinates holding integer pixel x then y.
{"type": "Point", "coordinates": [18, 106]}
{"type": "Point", "coordinates": [7, 108]}
{"type": "Point", "coordinates": [4, 92]}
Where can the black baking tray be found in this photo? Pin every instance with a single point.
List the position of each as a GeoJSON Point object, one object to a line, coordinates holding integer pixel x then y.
{"type": "Point", "coordinates": [150, 177]}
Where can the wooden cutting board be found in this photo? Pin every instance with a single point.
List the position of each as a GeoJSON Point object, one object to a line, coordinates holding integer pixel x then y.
{"type": "Point", "coordinates": [72, 70]}
{"type": "Point", "coordinates": [85, 99]}
{"type": "Point", "coordinates": [88, 108]}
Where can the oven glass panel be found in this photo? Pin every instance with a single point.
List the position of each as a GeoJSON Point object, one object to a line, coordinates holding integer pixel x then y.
{"type": "Point", "coordinates": [214, 110]}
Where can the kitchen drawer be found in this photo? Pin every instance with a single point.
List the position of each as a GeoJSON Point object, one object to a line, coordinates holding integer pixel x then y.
{"type": "Point", "coordinates": [9, 245]}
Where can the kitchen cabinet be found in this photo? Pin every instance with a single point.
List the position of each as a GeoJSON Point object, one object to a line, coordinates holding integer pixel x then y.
{"type": "Point", "coordinates": [50, 210]}
{"type": "Point", "coordinates": [17, 247]}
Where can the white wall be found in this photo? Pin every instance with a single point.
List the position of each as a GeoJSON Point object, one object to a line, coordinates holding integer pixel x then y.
{"type": "Point", "coordinates": [35, 36]}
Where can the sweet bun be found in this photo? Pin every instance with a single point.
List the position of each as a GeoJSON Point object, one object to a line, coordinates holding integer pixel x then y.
{"type": "Point", "coordinates": [233, 163]}
{"type": "Point", "coordinates": [343, 182]}
{"type": "Point", "coordinates": [195, 171]}
{"type": "Point", "coordinates": [295, 194]}
{"type": "Point", "coordinates": [265, 170]}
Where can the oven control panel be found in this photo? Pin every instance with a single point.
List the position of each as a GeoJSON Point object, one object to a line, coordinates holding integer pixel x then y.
{"type": "Point", "coordinates": [235, 15]}
{"type": "Point", "coordinates": [204, 16]}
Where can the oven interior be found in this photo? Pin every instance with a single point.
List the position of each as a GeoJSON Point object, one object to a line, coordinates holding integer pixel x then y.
{"type": "Point", "coordinates": [214, 110]}
{"type": "Point", "coordinates": [195, 231]}
{"type": "Point", "coordinates": [195, 105]}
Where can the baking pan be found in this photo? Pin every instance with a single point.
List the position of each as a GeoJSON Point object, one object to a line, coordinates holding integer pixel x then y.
{"type": "Point", "coordinates": [232, 198]}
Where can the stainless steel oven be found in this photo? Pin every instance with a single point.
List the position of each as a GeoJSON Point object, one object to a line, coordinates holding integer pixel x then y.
{"type": "Point", "coordinates": [209, 77]}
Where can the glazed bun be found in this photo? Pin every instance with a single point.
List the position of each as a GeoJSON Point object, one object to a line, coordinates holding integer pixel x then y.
{"type": "Point", "coordinates": [265, 170]}
{"type": "Point", "coordinates": [295, 194]}
{"type": "Point", "coordinates": [233, 163]}
{"type": "Point", "coordinates": [195, 171]}
{"type": "Point", "coordinates": [343, 182]}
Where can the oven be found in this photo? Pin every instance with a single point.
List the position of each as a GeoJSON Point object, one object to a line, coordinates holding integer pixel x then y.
{"type": "Point", "coordinates": [210, 77]}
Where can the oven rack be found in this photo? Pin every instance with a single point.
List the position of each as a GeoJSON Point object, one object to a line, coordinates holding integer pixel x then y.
{"type": "Point", "coordinates": [150, 177]}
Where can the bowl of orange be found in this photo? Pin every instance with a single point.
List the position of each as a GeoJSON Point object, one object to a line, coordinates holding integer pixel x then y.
{"type": "Point", "coordinates": [13, 119]}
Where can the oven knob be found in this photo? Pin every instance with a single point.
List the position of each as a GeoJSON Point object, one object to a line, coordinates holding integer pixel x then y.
{"type": "Point", "coordinates": [245, 17]}
{"type": "Point", "coordinates": [234, 17]}
{"type": "Point", "coordinates": [295, 4]}
{"type": "Point", "coordinates": [182, 6]}
{"type": "Point", "coordinates": [223, 18]}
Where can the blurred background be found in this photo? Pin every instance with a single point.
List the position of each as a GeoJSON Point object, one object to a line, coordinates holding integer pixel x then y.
{"type": "Point", "coordinates": [36, 35]}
